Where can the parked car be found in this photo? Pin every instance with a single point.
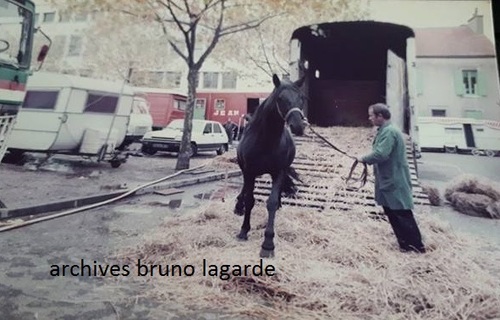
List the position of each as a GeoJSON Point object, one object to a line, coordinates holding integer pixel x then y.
{"type": "Point", "coordinates": [205, 136]}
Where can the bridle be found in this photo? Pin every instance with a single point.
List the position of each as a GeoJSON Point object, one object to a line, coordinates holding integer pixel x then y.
{"type": "Point", "coordinates": [289, 113]}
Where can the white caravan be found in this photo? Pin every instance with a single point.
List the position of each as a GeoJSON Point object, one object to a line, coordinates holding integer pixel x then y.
{"type": "Point", "coordinates": [459, 134]}
{"type": "Point", "coordinates": [73, 115]}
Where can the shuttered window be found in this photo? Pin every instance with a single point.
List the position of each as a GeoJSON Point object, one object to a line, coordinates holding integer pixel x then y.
{"type": "Point", "coordinates": [469, 82]}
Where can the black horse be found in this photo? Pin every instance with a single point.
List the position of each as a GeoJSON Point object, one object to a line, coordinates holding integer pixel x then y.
{"type": "Point", "coordinates": [267, 146]}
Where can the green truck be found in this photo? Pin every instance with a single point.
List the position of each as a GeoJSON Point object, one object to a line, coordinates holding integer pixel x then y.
{"type": "Point", "coordinates": [17, 20]}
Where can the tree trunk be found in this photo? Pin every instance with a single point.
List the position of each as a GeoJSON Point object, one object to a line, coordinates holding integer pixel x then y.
{"type": "Point", "coordinates": [183, 158]}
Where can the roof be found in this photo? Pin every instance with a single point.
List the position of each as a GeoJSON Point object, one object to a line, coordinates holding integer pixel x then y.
{"type": "Point", "coordinates": [452, 42]}
{"type": "Point", "coordinates": [147, 90]}
{"type": "Point", "coordinates": [49, 80]}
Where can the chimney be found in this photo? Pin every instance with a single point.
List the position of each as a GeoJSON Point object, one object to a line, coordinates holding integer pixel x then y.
{"type": "Point", "coordinates": [476, 23]}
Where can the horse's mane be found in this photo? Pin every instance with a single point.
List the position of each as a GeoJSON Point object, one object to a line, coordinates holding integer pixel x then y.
{"type": "Point", "coordinates": [262, 110]}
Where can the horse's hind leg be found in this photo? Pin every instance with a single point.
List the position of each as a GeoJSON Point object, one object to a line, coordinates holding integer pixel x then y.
{"type": "Point", "coordinates": [273, 203]}
{"type": "Point", "coordinates": [249, 200]}
{"type": "Point", "coordinates": [239, 208]}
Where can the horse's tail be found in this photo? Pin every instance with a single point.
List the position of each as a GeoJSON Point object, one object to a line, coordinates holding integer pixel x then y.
{"type": "Point", "coordinates": [289, 187]}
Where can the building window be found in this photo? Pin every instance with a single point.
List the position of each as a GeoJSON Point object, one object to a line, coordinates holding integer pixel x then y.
{"type": "Point", "coordinates": [210, 80]}
{"type": "Point", "coordinates": [474, 114]}
{"type": "Point", "coordinates": [219, 104]}
{"type": "Point", "coordinates": [173, 79]}
{"type": "Point", "coordinates": [156, 77]}
{"type": "Point", "coordinates": [452, 130]}
{"type": "Point", "coordinates": [438, 112]}
{"type": "Point", "coordinates": [40, 100]}
{"type": "Point", "coordinates": [58, 46]}
{"type": "Point", "coordinates": [101, 103]}
{"type": "Point", "coordinates": [49, 17]}
{"type": "Point", "coordinates": [64, 16]}
{"type": "Point", "coordinates": [80, 17]}
{"type": "Point", "coordinates": [229, 80]}
{"type": "Point", "coordinates": [469, 79]}
{"type": "Point", "coordinates": [37, 16]}
{"type": "Point", "coordinates": [86, 72]}
{"type": "Point", "coordinates": [75, 46]}
{"type": "Point", "coordinates": [138, 77]}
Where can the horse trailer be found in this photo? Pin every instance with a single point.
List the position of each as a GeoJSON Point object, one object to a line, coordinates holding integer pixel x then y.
{"type": "Point", "coordinates": [459, 134]}
{"type": "Point", "coordinates": [73, 115]}
{"type": "Point", "coordinates": [351, 65]}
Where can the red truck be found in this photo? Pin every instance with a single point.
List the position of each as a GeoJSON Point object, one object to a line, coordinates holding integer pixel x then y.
{"type": "Point", "coordinates": [223, 105]}
{"type": "Point", "coordinates": [167, 105]}
{"type": "Point", "coordinates": [164, 105]}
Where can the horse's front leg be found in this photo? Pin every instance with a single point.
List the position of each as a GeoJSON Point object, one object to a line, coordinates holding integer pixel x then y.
{"type": "Point", "coordinates": [249, 201]}
{"type": "Point", "coordinates": [273, 203]}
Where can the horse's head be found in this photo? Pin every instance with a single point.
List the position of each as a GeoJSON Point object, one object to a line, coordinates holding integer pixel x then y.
{"type": "Point", "coordinates": [290, 101]}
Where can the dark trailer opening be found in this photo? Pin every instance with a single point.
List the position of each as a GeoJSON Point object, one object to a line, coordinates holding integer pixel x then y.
{"type": "Point", "coordinates": [348, 69]}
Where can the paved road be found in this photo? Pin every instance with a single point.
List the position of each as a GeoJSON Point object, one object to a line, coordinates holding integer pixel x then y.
{"type": "Point", "coordinates": [438, 169]}
{"type": "Point", "coordinates": [28, 291]}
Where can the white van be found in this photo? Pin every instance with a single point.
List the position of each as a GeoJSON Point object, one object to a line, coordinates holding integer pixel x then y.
{"type": "Point", "coordinates": [140, 122]}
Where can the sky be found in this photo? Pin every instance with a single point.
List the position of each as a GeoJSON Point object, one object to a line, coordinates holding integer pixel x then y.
{"type": "Point", "coordinates": [432, 13]}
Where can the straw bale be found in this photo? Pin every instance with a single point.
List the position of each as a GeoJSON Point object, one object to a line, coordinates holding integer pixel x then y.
{"type": "Point", "coordinates": [471, 204]}
{"type": "Point", "coordinates": [433, 194]}
{"type": "Point", "coordinates": [329, 265]}
{"type": "Point", "coordinates": [473, 184]}
{"type": "Point", "coordinates": [493, 210]}
{"type": "Point", "coordinates": [475, 196]}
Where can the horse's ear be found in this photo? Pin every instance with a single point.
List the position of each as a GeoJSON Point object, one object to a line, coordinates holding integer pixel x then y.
{"type": "Point", "coordinates": [276, 81]}
{"type": "Point", "coordinates": [300, 82]}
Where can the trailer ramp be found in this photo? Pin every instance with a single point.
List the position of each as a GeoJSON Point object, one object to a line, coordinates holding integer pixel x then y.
{"type": "Point", "coordinates": [323, 187]}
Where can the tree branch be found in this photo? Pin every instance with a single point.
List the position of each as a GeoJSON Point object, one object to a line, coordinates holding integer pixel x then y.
{"type": "Point", "coordinates": [217, 34]}
{"type": "Point", "coordinates": [245, 25]}
{"type": "Point", "coordinates": [165, 31]}
{"type": "Point", "coordinates": [257, 64]}
{"type": "Point", "coordinates": [278, 62]}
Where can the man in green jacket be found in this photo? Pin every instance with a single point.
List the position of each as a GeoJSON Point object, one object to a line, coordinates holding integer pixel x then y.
{"type": "Point", "coordinates": [392, 179]}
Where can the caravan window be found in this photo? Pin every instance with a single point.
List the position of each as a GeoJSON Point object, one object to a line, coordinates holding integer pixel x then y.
{"type": "Point", "coordinates": [40, 100]}
{"type": "Point", "coordinates": [101, 103]}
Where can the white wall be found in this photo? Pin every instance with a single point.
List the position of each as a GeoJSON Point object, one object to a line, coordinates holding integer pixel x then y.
{"type": "Point", "coordinates": [436, 87]}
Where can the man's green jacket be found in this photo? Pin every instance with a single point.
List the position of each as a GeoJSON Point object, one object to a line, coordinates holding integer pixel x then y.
{"type": "Point", "coordinates": [390, 166]}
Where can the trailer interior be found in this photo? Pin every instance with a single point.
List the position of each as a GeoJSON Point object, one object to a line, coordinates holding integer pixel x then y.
{"type": "Point", "coordinates": [347, 67]}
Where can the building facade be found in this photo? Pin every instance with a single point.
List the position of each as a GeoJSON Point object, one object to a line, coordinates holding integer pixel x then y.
{"type": "Point", "coordinates": [457, 72]}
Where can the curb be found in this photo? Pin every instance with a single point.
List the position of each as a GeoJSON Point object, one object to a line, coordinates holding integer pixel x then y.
{"type": "Point", "coordinates": [7, 213]}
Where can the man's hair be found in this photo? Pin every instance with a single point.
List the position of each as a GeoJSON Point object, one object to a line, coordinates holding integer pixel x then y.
{"type": "Point", "coordinates": [380, 109]}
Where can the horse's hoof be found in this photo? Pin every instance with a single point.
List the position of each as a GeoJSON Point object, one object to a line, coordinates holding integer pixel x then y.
{"type": "Point", "coordinates": [266, 253]}
{"type": "Point", "coordinates": [242, 236]}
{"type": "Point", "coordinates": [239, 212]}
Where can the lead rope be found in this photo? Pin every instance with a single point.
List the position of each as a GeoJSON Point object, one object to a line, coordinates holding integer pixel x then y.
{"type": "Point", "coordinates": [364, 175]}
